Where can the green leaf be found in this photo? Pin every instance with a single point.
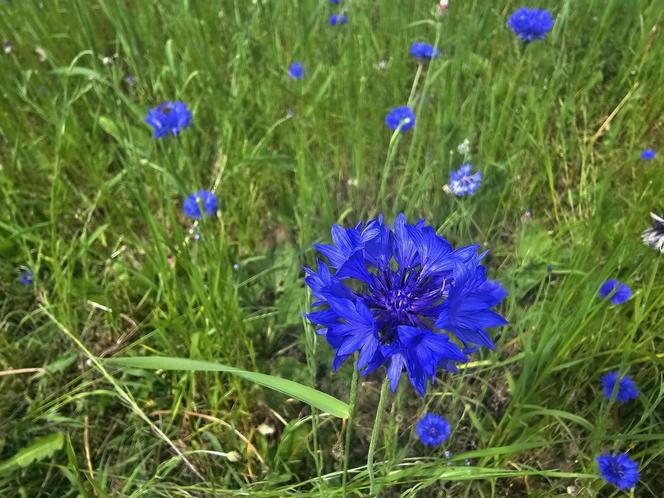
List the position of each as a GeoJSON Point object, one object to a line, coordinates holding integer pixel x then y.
{"type": "Point", "coordinates": [62, 362]}
{"type": "Point", "coordinates": [41, 448]}
{"type": "Point", "coordinates": [306, 394]}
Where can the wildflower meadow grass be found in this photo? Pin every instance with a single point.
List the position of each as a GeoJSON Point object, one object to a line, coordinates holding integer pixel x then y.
{"type": "Point", "coordinates": [331, 248]}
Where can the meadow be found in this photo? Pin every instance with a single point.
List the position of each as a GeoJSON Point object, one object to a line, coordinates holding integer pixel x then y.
{"type": "Point", "coordinates": [147, 353]}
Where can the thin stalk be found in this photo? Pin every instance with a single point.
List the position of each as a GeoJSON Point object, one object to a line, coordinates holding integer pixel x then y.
{"type": "Point", "coordinates": [391, 150]}
{"type": "Point", "coordinates": [352, 399]}
{"type": "Point", "coordinates": [413, 88]}
{"type": "Point", "coordinates": [310, 352]}
{"type": "Point", "coordinates": [375, 432]}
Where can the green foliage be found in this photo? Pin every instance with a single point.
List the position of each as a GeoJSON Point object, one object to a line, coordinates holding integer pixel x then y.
{"type": "Point", "coordinates": [306, 394]}
{"type": "Point", "coordinates": [38, 450]}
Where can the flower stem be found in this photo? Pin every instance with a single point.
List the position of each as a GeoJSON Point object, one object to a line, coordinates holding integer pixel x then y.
{"type": "Point", "coordinates": [352, 399]}
{"type": "Point", "coordinates": [391, 151]}
{"type": "Point", "coordinates": [375, 432]}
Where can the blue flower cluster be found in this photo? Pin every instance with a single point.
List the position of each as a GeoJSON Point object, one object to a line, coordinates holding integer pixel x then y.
{"type": "Point", "coordinates": [296, 71]}
{"type": "Point", "coordinates": [619, 470]}
{"type": "Point", "coordinates": [395, 294]}
{"type": "Point", "coordinates": [626, 390]}
{"type": "Point", "coordinates": [424, 51]}
{"type": "Point", "coordinates": [27, 278]}
{"type": "Point", "coordinates": [648, 155]}
{"type": "Point", "coordinates": [618, 291]}
{"type": "Point", "coordinates": [207, 199]}
{"type": "Point", "coordinates": [168, 118]}
{"type": "Point", "coordinates": [464, 182]}
{"type": "Point", "coordinates": [432, 429]}
{"type": "Point", "coordinates": [337, 19]}
{"type": "Point", "coordinates": [401, 118]}
{"type": "Point", "coordinates": [531, 24]}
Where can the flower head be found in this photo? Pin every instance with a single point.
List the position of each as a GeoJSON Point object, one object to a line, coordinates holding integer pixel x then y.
{"type": "Point", "coordinates": [433, 429]}
{"type": "Point", "coordinates": [619, 292]}
{"type": "Point", "coordinates": [443, 5]}
{"type": "Point", "coordinates": [464, 148]}
{"type": "Point", "coordinates": [464, 182]}
{"type": "Point", "coordinates": [402, 117]}
{"type": "Point", "coordinates": [7, 47]}
{"type": "Point", "coordinates": [618, 470]}
{"type": "Point", "coordinates": [530, 24]}
{"type": "Point", "coordinates": [648, 155]}
{"type": "Point", "coordinates": [654, 237]}
{"type": "Point", "coordinates": [626, 390]}
{"type": "Point", "coordinates": [390, 293]}
{"type": "Point", "coordinates": [296, 71]}
{"type": "Point", "coordinates": [169, 117]}
{"type": "Point", "coordinates": [191, 206]}
{"type": "Point", "coordinates": [336, 19]}
{"type": "Point", "coordinates": [27, 278]}
{"type": "Point", "coordinates": [423, 51]}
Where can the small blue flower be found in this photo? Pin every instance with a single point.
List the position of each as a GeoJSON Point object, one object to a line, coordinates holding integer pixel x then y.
{"type": "Point", "coordinates": [296, 71]}
{"type": "Point", "coordinates": [402, 298]}
{"type": "Point", "coordinates": [626, 391]}
{"type": "Point", "coordinates": [422, 51]}
{"type": "Point", "coordinates": [648, 155]}
{"type": "Point", "coordinates": [618, 470]}
{"type": "Point", "coordinates": [27, 278]}
{"type": "Point", "coordinates": [622, 292]}
{"type": "Point", "coordinates": [193, 210]}
{"type": "Point", "coordinates": [531, 24]}
{"type": "Point", "coordinates": [400, 116]}
{"type": "Point", "coordinates": [433, 429]}
{"type": "Point", "coordinates": [335, 2]}
{"type": "Point", "coordinates": [336, 19]}
{"type": "Point", "coordinates": [464, 182]}
{"type": "Point", "coordinates": [168, 117]}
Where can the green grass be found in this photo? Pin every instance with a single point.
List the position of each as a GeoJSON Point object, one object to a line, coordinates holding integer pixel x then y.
{"type": "Point", "coordinates": [93, 204]}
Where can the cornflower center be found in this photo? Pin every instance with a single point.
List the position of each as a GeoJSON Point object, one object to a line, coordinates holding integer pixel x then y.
{"type": "Point", "coordinates": [394, 298]}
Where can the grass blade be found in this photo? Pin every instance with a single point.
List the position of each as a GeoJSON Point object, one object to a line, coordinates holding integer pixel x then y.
{"type": "Point", "coordinates": [306, 394]}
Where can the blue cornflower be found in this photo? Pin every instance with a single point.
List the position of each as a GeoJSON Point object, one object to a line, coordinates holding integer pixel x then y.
{"type": "Point", "coordinates": [207, 199]}
{"type": "Point", "coordinates": [619, 470]}
{"type": "Point", "coordinates": [622, 292]}
{"type": "Point", "coordinates": [27, 278]}
{"type": "Point", "coordinates": [433, 429]}
{"type": "Point", "coordinates": [296, 71]}
{"type": "Point", "coordinates": [335, 2]}
{"type": "Point", "coordinates": [626, 391]}
{"type": "Point", "coordinates": [648, 155]}
{"type": "Point", "coordinates": [422, 51]}
{"type": "Point", "coordinates": [530, 24]}
{"type": "Point", "coordinates": [464, 182]}
{"type": "Point", "coordinates": [389, 293]}
{"type": "Point", "coordinates": [169, 117]}
{"type": "Point", "coordinates": [338, 19]}
{"type": "Point", "coordinates": [403, 116]}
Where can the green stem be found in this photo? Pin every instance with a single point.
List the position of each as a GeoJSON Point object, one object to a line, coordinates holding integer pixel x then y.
{"type": "Point", "coordinates": [413, 88]}
{"type": "Point", "coordinates": [391, 150]}
{"type": "Point", "coordinates": [375, 432]}
{"type": "Point", "coordinates": [352, 399]}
